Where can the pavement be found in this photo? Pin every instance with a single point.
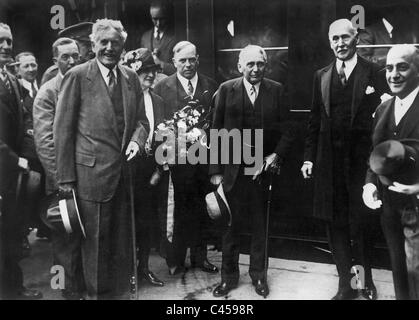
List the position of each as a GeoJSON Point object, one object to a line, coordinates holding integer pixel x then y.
{"type": "Point", "coordinates": [287, 279]}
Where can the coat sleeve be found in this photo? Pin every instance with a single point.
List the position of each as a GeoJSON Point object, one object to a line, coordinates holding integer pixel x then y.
{"type": "Point", "coordinates": [43, 120]}
{"type": "Point", "coordinates": [313, 128]}
{"type": "Point", "coordinates": [65, 126]}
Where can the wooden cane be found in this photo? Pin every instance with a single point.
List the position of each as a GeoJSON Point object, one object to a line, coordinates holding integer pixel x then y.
{"type": "Point", "coordinates": [134, 277]}
{"type": "Point", "coordinates": [268, 211]}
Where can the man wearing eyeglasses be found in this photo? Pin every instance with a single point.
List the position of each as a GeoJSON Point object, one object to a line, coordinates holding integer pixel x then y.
{"type": "Point", "coordinates": [66, 249]}
{"type": "Point", "coordinates": [345, 96]}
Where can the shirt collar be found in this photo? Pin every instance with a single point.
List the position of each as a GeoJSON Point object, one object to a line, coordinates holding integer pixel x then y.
{"type": "Point", "coordinates": [155, 33]}
{"type": "Point", "coordinates": [28, 85]}
{"type": "Point", "coordinates": [248, 86]}
{"type": "Point", "coordinates": [185, 81]}
{"type": "Point", "coordinates": [349, 65]}
{"type": "Point", "coordinates": [105, 71]}
{"type": "Point", "coordinates": [408, 100]}
{"type": "Point", "coordinates": [387, 25]}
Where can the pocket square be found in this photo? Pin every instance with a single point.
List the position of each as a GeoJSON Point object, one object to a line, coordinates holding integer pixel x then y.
{"type": "Point", "coordinates": [369, 90]}
{"type": "Point", "coordinates": [385, 97]}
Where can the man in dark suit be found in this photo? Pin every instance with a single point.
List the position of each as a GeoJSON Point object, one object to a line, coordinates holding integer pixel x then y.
{"type": "Point", "coordinates": [98, 128]}
{"type": "Point", "coordinates": [142, 62]}
{"type": "Point", "coordinates": [249, 102]}
{"type": "Point", "coordinates": [189, 181]}
{"type": "Point", "coordinates": [160, 40]}
{"type": "Point", "coordinates": [396, 119]}
{"type": "Point", "coordinates": [66, 249]}
{"type": "Point", "coordinates": [345, 95]}
{"type": "Point", "coordinates": [11, 136]}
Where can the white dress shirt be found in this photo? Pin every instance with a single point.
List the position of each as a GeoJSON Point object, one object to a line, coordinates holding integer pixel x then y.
{"type": "Point", "coordinates": [28, 86]}
{"type": "Point", "coordinates": [401, 106]}
{"type": "Point", "coordinates": [248, 87]}
{"type": "Point", "coordinates": [350, 65]}
{"type": "Point", "coordinates": [148, 102]}
{"type": "Point", "coordinates": [156, 33]}
{"type": "Point", "coordinates": [184, 82]}
{"type": "Point", "coordinates": [105, 72]}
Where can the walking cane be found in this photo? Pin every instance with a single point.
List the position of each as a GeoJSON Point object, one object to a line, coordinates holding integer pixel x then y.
{"type": "Point", "coordinates": [268, 210]}
{"type": "Point", "coordinates": [134, 277]}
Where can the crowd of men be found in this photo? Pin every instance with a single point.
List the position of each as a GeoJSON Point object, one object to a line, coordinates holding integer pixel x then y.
{"type": "Point", "coordinates": [89, 128]}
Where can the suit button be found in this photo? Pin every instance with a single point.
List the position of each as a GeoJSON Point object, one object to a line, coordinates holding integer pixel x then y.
{"type": "Point", "coordinates": [394, 133]}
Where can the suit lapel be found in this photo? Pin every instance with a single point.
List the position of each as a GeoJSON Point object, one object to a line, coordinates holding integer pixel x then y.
{"type": "Point", "coordinates": [380, 127]}
{"type": "Point", "coordinates": [98, 84]}
{"type": "Point", "coordinates": [361, 77]}
{"type": "Point", "coordinates": [126, 99]}
{"type": "Point", "coordinates": [412, 119]}
{"type": "Point", "coordinates": [238, 103]}
{"type": "Point", "coordinates": [325, 81]}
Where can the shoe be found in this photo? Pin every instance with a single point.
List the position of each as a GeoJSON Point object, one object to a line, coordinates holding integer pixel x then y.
{"type": "Point", "coordinates": [222, 289]}
{"type": "Point", "coordinates": [177, 270]}
{"type": "Point", "coordinates": [72, 295]}
{"type": "Point", "coordinates": [208, 267]}
{"type": "Point", "coordinates": [370, 292]}
{"type": "Point", "coordinates": [28, 294]}
{"type": "Point", "coordinates": [261, 287]}
{"type": "Point", "coordinates": [346, 294]}
{"type": "Point", "coordinates": [151, 278]}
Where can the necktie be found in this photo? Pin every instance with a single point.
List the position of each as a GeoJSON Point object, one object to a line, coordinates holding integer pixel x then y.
{"type": "Point", "coordinates": [253, 94]}
{"type": "Point", "coordinates": [112, 82]}
{"type": "Point", "coordinates": [158, 35]}
{"type": "Point", "coordinates": [342, 76]}
{"type": "Point", "coordinates": [34, 91]}
{"type": "Point", "coordinates": [190, 89]}
{"type": "Point", "coordinates": [5, 79]}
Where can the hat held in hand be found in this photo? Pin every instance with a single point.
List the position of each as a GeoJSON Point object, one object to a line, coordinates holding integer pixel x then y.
{"type": "Point", "coordinates": [396, 161]}
{"type": "Point", "coordinates": [217, 206]}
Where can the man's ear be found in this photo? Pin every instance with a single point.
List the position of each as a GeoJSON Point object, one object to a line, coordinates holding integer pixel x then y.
{"type": "Point", "coordinates": [239, 67]}
{"type": "Point", "coordinates": [197, 59]}
{"type": "Point", "coordinates": [173, 61]}
{"type": "Point", "coordinates": [55, 60]}
{"type": "Point", "coordinates": [357, 38]}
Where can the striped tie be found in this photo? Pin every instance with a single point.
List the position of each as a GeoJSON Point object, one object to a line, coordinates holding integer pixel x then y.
{"type": "Point", "coordinates": [5, 79]}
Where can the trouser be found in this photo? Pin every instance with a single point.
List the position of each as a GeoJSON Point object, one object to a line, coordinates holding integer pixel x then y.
{"type": "Point", "coordinates": [107, 249]}
{"type": "Point", "coordinates": [247, 203]}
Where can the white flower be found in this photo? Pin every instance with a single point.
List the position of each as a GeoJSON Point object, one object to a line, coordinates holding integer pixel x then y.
{"type": "Point", "coordinates": [369, 90]}
{"type": "Point", "coordinates": [193, 135]}
{"type": "Point", "coordinates": [161, 126]}
{"type": "Point", "coordinates": [181, 125]}
{"type": "Point", "coordinates": [385, 97]}
{"type": "Point", "coordinates": [196, 113]}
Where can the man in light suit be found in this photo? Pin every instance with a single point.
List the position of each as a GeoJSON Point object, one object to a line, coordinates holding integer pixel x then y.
{"type": "Point", "coordinates": [345, 95]}
{"type": "Point", "coordinates": [189, 181]}
{"type": "Point", "coordinates": [98, 127]}
{"type": "Point", "coordinates": [11, 162]}
{"type": "Point", "coordinates": [160, 40]}
{"type": "Point", "coordinates": [249, 102]}
{"type": "Point", "coordinates": [396, 119]}
{"type": "Point", "coordinates": [66, 248]}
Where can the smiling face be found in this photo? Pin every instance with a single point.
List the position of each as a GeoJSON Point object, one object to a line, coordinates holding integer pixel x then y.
{"type": "Point", "coordinates": [147, 78]}
{"type": "Point", "coordinates": [401, 72]}
{"type": "Point", "coordinates": [252, 65]}
{"type": "Point", "coordinates": [108, 46]}
{"type": "Point", "coordinates": [342, 40]}
{"type": "Point", "coordinates": [28, 68]}
{"type": "Point", "coordinates": [6, 46]}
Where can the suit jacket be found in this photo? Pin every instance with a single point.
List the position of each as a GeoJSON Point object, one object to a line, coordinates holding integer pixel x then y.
{"type": "Point", "coordinates": [165, 49]}
{"type": "Point", "coordinates": [228, 114]}
{"type": "Point", "coordinates": [175, 97]}
{"type": "Point", "coordinates": [11, 136]}
{"type": "Point", "coordinates": [318, 147]}
{"type": "Point", "coordinates": [88, 147]}
{"type": "Point", "coordinates": [410, 129]}
{"type": "Point", "coordinates": [43, 120]}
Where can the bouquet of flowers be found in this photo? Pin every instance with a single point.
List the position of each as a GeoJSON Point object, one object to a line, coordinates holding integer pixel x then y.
{"type": "Point", "coordinates": [185, 128]}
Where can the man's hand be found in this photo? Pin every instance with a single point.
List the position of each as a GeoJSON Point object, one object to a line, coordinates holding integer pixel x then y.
{"type": "Point", "coordinates": [370, 196]}
{"type": "Point", "coordinates": [23, 164]}
{"type": "Point", "coordinates": [272, 163]}
{"type": "Point", "coordinates": [132, 150]}
{"type": "Point", "coordinates": [405, 189]}
{"type": "Point", "coordinates": [216, 179]}
{"type": "Point", "coordinates": [307, 169]}
{"type": "Point", "coordinates": [65, 188]}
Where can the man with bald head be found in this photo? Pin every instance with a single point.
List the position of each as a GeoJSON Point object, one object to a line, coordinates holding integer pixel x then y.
{"type": "Point", "coordinates": [251, 102]}
{"type": "Point", "coordinates": [345, 96]}
{"type": "Point", "coordinates": [396, 119]}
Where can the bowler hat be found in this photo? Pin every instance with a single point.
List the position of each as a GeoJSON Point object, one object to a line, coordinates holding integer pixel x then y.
{"type": "Point", "coordinates": [217, 206]}
{"type": "Point", "coordinates": [139, 60]}
{"type": "Point", "coordinates": [396, 161]}
{"type": "Point", "coordinates": [80, 31]}
{"type": "Point", "coordinates": [62, 214]}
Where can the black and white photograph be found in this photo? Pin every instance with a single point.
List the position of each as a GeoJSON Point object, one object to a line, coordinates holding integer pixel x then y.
{"type": "Point", "coordinates": [237, 151]}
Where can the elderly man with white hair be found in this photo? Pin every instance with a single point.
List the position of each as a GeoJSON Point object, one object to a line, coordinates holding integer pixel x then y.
{"type": "Point", "coordinates": [345, 95]}
{"type": "Point", "coordinates": [398, 119]}
{"type": "Point", "coordinates": [99, 126]}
